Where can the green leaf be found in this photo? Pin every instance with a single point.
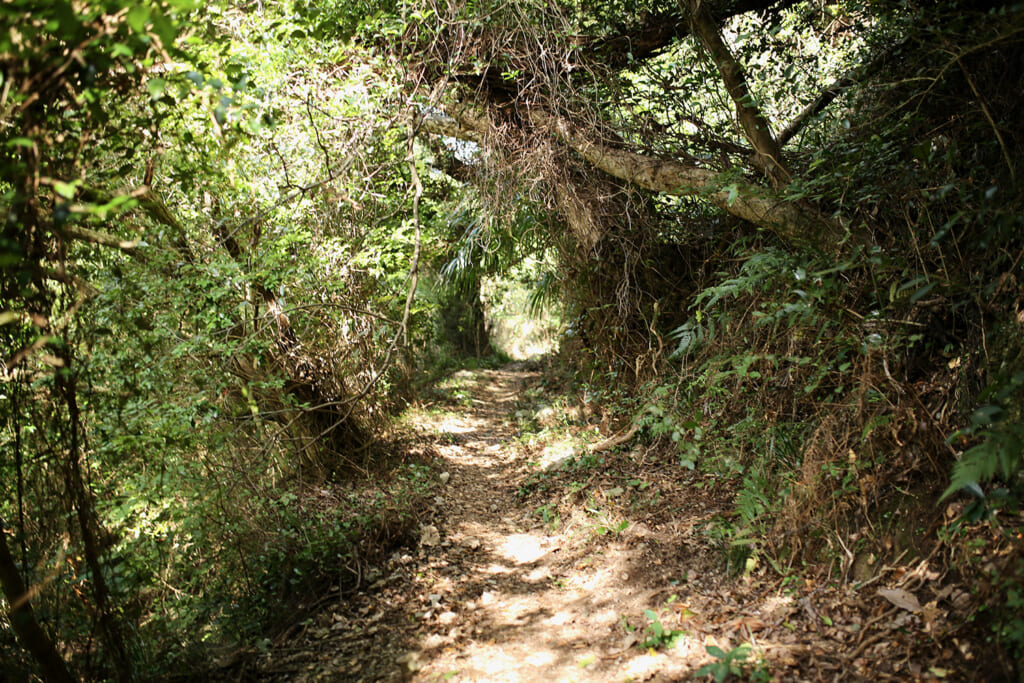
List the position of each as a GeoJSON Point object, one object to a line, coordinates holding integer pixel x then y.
{"type": "Point", "coordinates": [121, 50]}
{"type": "Point", "coordinates": [921, 293]}
{"type": "Point", "coordinates": [165, 29]}
{"type": "Point", "coordinates": [137, 18]}
{"type": "Point", "coordinates": [65, 190]}
{"type": "Point", "coordinates": [986, 415]}
{"type": "Point", "coordinates": [156, 87]}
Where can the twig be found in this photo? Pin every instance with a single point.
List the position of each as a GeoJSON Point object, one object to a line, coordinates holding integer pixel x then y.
{"type": "Point", "coordinates": [413, 278]}
{"type": "Point", "coordinates": [316, 129]}
{"type": "Point", "coordinates": [614, 440]}
{"type": "Point", "coordinates": [991, 121]}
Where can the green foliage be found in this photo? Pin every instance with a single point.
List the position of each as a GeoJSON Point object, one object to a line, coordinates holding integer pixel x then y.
{"type": "Point", "coordinates": [661, 421]}
{"type": "Point", "coordinates": [999, 454]}
{"type": "Point", "coordinates": [549, 516]}
{"type": "Point", "coordinates": [1008, 624]}
{"type": "Point", "coordinates": [209, 243]}
{"type": "Point", "coordinates": [215, 361]}
{"type": "Point", "coordinates": [656, 636]}
{"type": "Point", "coordinates": [732, 663]}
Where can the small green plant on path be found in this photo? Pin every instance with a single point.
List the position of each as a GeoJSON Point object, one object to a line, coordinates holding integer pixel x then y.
{"type": "Point", "coordinates": [659, 637]}
{"type": "Point", "coordinates": [549, 515]}
{"type": "Point", "coordinates": [732, 663]}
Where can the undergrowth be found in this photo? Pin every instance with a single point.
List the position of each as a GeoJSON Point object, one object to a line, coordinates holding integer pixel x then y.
{"type": "Point", "coordinates": [277, 554]}
{"type": "Point", "coordinates": [838, 399]}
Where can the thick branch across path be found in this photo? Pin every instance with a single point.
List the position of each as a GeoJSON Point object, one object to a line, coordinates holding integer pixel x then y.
{"type": "Point", "coordinates": [791, 221]}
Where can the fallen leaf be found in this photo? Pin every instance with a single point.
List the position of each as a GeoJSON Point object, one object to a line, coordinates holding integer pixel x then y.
{"type": "Point", "coordinates": [429, 535]}
{"type": "Point", "coordinates": [901, 598]}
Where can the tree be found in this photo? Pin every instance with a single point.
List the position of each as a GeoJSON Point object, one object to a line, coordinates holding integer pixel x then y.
{"type": "Point", "coordinates": [66, 69]}
{"type": "Point", "coordinates": [208, 273]}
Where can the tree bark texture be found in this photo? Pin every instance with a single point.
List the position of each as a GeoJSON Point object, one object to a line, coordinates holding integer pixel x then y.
{"type": "Point", "coordinates": [791, 221]}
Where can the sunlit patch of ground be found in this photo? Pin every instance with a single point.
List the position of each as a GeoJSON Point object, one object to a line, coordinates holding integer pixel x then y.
{"type": "Point", "coordinates": [557, 451]}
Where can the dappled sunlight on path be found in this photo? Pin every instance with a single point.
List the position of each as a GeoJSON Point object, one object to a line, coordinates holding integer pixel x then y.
{"type": "Point", "coordinates": [533, 602]}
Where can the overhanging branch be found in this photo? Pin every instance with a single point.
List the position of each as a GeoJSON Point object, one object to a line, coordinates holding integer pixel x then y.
{"type": "Point", "coordinates": [758, 205]}
{"type": "Point", "coordinates": [768, 157]}
{"type": "Point", "coordinates": [791, 221]}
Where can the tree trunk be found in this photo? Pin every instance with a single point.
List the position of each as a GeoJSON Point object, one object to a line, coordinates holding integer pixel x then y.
{"type": "Point", "coordinates": [23, 619]}
{"type": "Point", "coordinates": [767, 154]}
{"type": "Point", "coordinates": [88, 527]}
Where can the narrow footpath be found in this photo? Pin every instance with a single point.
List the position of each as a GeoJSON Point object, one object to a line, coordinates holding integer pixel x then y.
{"type": "Point", "coordinates": [602, 570]}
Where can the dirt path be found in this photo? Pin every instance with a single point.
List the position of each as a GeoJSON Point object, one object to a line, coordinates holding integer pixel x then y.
{"type": "Point", "coordinates": [528, 601]}
{"type": "Point", "coordinates": [609, 571]}
{"type": "Point", "coordinates": [531, 600]}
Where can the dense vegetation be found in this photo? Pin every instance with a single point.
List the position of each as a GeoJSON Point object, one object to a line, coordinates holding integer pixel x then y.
{"type": "Point", "coordinates": [784, 239]}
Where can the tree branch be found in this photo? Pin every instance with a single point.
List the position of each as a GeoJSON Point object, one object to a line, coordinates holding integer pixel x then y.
{"type": "Point", "coordinates": [790, 221]}
{"type": "Point", "coordinates": [826, 96]}
{"type": "Point", "coordinates": [768, 155]}
{"type": "Point", "coordinates": [154, 207]}
{"type": "Point", "coordinates": [23, 619]}
{"type": "Point", "coordinates": [96, 237]}
{"type": "Point", "coordinates": [462, 124]}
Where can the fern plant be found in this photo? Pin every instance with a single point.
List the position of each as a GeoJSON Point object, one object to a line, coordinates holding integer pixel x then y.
{"type": "Point", "coordinates": [1001, 451]}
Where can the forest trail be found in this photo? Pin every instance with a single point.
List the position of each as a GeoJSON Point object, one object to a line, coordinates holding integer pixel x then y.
{"type": "Point", "coordinates": [606, 575]}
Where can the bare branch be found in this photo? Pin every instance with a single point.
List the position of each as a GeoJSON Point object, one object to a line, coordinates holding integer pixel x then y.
{"type": "Point", "coordinates": [755, 126]}
{"type": "Point", "coordinates": [97, 237]}
{"type": "Point", "coordinates": [791, 221]}
{"type": "Point", "coordinates": [826, 96]}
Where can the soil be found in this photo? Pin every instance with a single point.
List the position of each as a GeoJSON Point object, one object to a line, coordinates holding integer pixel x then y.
{"type": "Point", "coordinates": [613, 566]}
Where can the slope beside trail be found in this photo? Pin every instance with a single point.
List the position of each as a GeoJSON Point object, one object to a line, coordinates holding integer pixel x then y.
{"type": "Point", "coordinates": [605, 568]}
